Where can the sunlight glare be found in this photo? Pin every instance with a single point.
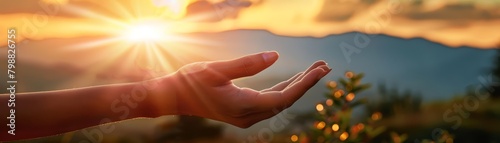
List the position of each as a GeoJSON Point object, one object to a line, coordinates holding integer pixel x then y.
{"type": "Point", "coordinates": [142, 40]}
{"type": "Point", "coordinates": [146, 32]}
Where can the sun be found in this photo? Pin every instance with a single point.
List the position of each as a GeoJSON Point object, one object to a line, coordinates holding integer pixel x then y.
{"type": "Point", "coordinates": [146, 38]}
{"type": "Point", "coordinates": [146, 31]}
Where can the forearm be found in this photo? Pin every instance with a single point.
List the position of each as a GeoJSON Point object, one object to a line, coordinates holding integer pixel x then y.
{"type": "Point", "coordinates": [48, 113]}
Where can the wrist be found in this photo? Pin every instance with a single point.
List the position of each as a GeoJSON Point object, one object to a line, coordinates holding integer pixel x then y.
{"type": "Point", "coordinates": [162, 98]}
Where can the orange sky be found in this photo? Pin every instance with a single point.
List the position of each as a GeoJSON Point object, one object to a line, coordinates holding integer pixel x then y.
{"type": "Point", "coordinates": [450, 22]}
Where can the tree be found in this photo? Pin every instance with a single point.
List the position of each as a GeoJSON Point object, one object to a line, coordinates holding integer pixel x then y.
{"type": "Point", "coordinates": [332, 121]}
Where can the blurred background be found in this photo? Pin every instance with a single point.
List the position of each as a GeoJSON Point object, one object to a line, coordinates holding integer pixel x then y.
{"type": "Point", "coordinates": [433, 67]}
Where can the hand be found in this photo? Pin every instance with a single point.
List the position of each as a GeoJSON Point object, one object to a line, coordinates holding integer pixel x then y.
{"type": "Point", "coordinates": [202, 89]}
{"type": "Point", "coordinates": [205, 89]}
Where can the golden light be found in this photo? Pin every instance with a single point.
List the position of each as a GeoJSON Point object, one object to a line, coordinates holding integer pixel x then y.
{"type": "Point", "coordinates": [321, 125]}
{"type": "Point", "coordinates": [344, 136]}
{"type": "Point", "coordinates": [332, 84]}
{"type": "Point", "coordinates": [329, 102]}
{"type": "Point", "coordinates": [294, 138]}
{"type": "Point", "coordinates": [376, 116]}
{"type": "Point", "coordinates": [338, 93]}
{"type": "Point", "coordinates": [320, 107]}
{"type": "Point", "coordinates": [335, 127]}
{"type": "Point", "coordinates": [349, 74]}
{"type": "Point", "coordinates": [148, 31]}
{"type": "Point", "coordinates": [131, 38]}
{"type": "Point", "coordinates": [349, 97]}
{"type": "Point", "coordinates": [142, 39]}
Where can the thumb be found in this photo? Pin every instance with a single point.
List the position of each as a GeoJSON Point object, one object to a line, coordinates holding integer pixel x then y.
{"type": "Point", "coordinates": [244, 66]}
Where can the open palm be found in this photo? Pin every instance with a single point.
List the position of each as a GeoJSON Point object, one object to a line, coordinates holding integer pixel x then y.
{"type": "Point", "coordinates": [205, 89]}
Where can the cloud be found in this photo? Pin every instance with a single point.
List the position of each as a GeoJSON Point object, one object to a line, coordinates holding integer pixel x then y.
{"type": "Point", "coordinates": [453, 23]}
{"type": "Point", "coordinates": [335, 10]}
{"type": "Point", "coordinates": [206, 11]}
{"type": "Point", "coordinates": [455, 12]}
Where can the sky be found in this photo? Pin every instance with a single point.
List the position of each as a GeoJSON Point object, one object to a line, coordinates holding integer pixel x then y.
{"type": "Point", "coordinates": [450, 22]}
{"type": "Point", "coordinates": [436, 48]}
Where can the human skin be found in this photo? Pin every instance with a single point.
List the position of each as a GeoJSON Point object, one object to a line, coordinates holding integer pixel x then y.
{"type": "Point", "coordinates": [201, 89]}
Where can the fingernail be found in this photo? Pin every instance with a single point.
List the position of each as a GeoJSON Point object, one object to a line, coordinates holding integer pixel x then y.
{"type": "Point", "coordinates": [325, 67]}
{"type": "Point", "coordinates": [269, 56]}
{"type": "Point", "coordinates": [323, 62]}
{"type": "Point", "coordinates": [326, 70]}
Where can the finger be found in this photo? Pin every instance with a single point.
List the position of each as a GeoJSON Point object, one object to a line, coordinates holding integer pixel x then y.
{"type": "Point", "coordinates": [294, 91]}
{"type": "Point", "coordinates": [243, 66]}
{"type": "Point", "coordinates": [284, 99]}
{"type": "Point", "coordinates": [312, 67]}
{"type": "Point", "coordinates": [297, 77]}
{"type": "Point", "coordinates": [282, 85]}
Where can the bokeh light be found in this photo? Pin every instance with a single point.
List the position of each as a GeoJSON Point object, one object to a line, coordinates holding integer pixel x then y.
{"type": "Point", "coordinates": [350, 97]}
{"type": "Point", "coordinates": [376, 116]}
{"type": "Point", "coordinates": [332, 84]}
{"type": "Point", "coordinates": [320, 125]}
{"type": "Point", "coordinates": [319, 107]}
{"type": "Point", "coordinates": [338, 93]}
{"type": "Point", "coordinates": [329, 102]}
{"type": "Point", "coordinates": [344, 136]}
{"type": "Point", "coordinates": [349, 74]}
{"type": "Point", "coordinates": [335, 127]}
{"type": "Point", "coordinates": [294, 138]}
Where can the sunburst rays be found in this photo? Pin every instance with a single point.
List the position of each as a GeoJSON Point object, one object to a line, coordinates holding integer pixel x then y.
{"type": "Point", "coordinates": [119, 56]}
